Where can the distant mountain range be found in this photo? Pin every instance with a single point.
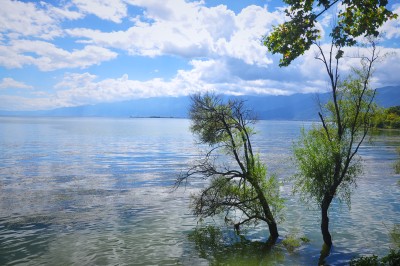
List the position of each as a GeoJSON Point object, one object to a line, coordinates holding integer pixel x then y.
{"type": "Point", "coordinates": [293, 107]}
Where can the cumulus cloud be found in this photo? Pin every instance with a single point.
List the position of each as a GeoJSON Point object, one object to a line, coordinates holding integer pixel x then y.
{"type": "Point", "coordinates": [391, 28]}
{"type": "Point", "coordinates": [205, 75]}
{"type": "Point", "coordinates": [27, 29]}
{"type": "Point", "coordinates": [23, 103]}
{"type": "Point", "coordinates": [113, 10]}
{"type": "Point", "coordinates": [10, 83]}
{"type": "Point", "coordinates": [85, 88]}
{"type": "Point", "coordinates": [190, 30]}
{"type": "Point", "coordinates": [385, 73]}
{"type": "Point", "coordinates": [20, 19]}
{"type": "Point", "coordinates": [216, 75]}
{"type": "Point", "coordinates": [61, 13]}
{"type": "Point", "coordinates": [46, 56]}
{"type": "Point", "coordinates": [222, 50]}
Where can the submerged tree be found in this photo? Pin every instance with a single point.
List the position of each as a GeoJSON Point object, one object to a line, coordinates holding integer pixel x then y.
{"type": "Point", "coordinates": [238, 183]}
{"type": "Point", "coordinates": [326, 155]}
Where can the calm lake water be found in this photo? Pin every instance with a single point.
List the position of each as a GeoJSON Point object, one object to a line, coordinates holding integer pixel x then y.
{"type": "Point", "coordinates": [96, 191]}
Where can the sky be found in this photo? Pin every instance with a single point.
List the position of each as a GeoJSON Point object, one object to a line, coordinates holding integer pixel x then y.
{"type": "Point", "coordinates": [78, 52]}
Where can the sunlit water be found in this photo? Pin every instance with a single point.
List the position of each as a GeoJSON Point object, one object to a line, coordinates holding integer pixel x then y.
{"type": "Point", "coordinates": [96, 191]}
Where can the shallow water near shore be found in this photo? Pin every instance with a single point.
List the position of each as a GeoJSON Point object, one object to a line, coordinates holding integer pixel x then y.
{"type": "Point", "coordinates": [98, 191]}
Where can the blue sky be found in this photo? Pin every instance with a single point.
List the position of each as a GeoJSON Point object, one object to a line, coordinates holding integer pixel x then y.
{"type": "Point", "coordinates": [77, 52]}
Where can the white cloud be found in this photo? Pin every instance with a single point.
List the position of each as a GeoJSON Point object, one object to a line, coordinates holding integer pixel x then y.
{"type": "Point", "coordinates": [245, 43]}
{"type": "Point", "coordinates": [391, 28]}
{"type": "Point", "coordinates": [168, 10]}
{"type": "Point", "coordinates": [190, 30]}
{"type": "Point", "coordinates": [205, 75]}
{"type": "Point", "coordinates": [20, 19]}
{"type": "Point", "coordinates": [46, 56]}
{"type": "Point", "coordinates": [222, 49]}
{"type": "Point", "coordinates": [78, 89]}
{"type": "Point", "coordinates": [306, 75]}
{"type": "Point", "coordinates": [113, 10]}
{"type": "Point", "coordinates": [10, 58]}
{"type": "Point", "coordinates": [22, 103]}
{"type": "Point", "coordinates": [10, 83]}
{"type": "Point", "coordinates": [63, 13]}
{"type": "Point", "coordinates": [385, 72]}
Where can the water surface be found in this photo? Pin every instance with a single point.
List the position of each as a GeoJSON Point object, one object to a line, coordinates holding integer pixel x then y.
{"type": "Point", "coordinates": [84, 191]}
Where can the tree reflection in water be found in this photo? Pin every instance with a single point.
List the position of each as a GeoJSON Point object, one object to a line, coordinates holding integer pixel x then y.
{"type": "Point", "coordinates": [229, 248]}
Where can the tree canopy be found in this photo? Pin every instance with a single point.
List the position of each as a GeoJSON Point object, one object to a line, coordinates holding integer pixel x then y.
{"type": "Point", "coordinates": [238, 184]}
{"type": "Point", "coordinates": [326, 155]}
{"type": "Point", "coordinates": [355, 18]}
{"type": "Point", "coordinates": [388, 118]}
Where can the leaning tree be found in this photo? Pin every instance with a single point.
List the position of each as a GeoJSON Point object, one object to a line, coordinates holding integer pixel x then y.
{"type": "Point", "coordinates": [326, 155]}
{"type": "Point", "coordinates": [238, 186]}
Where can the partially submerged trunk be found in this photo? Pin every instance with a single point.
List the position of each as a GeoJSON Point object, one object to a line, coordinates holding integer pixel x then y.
{"type": "Point", "coordinates": [273, 228]}
{"type": "Point", "coordinates": [325, 220]}
{"type": "Point", "coordinates": [325, 251]}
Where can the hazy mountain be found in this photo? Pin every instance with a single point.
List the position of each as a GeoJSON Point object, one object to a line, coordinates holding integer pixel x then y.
{"type": "Point", "coordinates": [293, 107]}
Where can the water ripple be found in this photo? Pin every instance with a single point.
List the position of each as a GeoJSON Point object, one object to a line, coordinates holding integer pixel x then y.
{"type": "Point", "coordinates": [98, 191]}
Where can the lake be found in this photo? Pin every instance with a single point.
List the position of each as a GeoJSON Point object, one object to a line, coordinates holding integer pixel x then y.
{"type": "Point", "coordinates": [98, 191]}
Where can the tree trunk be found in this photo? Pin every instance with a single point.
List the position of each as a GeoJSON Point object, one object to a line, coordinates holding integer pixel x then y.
{"type": "Point", "coordinates": [273, 231]}
{"type": "Point", "coordinates": [325, 220]}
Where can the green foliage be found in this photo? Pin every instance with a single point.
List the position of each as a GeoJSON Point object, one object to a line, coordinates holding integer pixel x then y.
{"type": "Point", "coordinates": [365, 261]}
{"type": "Point", "coordinates": [326, 154]}
{"type": "Point", "coordinates": [223, 195]}
{"type": "Point", "coordinates": [397, 167]}
{"type": "Point", "coordinates": [207, 239]}
{"type": "Point", "coordinates": [388, 118]}
{"type": "Point", "coordinates": [305, 239]}
{"type": "Point", "coordinates": [354, 100]}
{"type": "Point", "coordinates": [219, 247]}
{"type": "Point", "coordinates": [315, 159]}
{"type": "Point", "coordinates": [316, 162]}
{"type": "Point", "coordinates": [392, 259]}
{"type": "Point", "coordinates": [394, 110]}
{"type": "Point", "coordinates": [295, 36]}
{"type": "Point", "coordinates": [395, 235]}
{"type": "Point", "coordinates": [271, 189]}
{"type": "Point", "coordinates": [208, 116]}
{"type": "Point", "coordinates": [239, 187]}
{"type": "Point", "coordinates": [292, 241]}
